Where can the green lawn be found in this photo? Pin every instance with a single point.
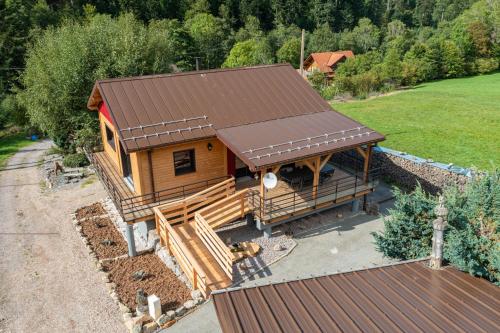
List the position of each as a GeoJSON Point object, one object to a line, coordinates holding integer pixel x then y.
{"type": "Point", "coordinates": [10, 144]}
{"type": "Point", "coordinates": [455, 120]}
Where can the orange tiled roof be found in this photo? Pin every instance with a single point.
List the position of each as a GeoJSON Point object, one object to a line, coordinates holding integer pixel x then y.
{"type": "Point", "coordinates": [326, 60]}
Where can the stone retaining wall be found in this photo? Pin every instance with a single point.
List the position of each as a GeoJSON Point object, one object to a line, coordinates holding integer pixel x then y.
{"type": "Point", "coordinates": [406, 170]}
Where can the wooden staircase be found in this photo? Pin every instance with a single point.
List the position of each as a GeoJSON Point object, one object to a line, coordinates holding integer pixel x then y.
{"type": "Point", "coordinates": [187, 228]}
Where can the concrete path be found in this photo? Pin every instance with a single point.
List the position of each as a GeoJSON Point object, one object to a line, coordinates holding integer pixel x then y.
{"type": "Point", "coordinates": [47, 281]}
{"type": "Point", "coordinates": [342, 245]}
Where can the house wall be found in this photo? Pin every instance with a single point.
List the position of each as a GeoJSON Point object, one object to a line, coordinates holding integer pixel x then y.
{"type": "Point", "coordinates": [209, 165]}
{"type": "Point", "coordinates": [114, 154]}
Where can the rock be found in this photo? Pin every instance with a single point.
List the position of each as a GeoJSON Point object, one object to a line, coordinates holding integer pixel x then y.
{"type": "Point", "coordinates": [139, 276]}
{"type": "Point", "coordinates": [153, 238]}
{"type": "Point", "coordinates": [137, 328]}
{"type": "Point", "coordinates": [180, 311]}
{"type": "Point", "coordinates": [123, 308]}
{"type": "Point", "coordinates": [163, 319]}
{"type": "Point", "coordinates": [196, 294]}
{"type": "Point", "coordinates": [278, 247]}
{"type": "Point", "coordinates": [198, 300]}
{"type": "Point", "coordinates": [170, 315]}
{"type": "Point", "coordinates": [149, 327]}
{"type": "Point", "coordinates": [189, 304]}
{"type": "Point", "coordinates": [242, 266]}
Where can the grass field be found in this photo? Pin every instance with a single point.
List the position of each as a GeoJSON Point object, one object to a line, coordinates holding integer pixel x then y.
{"type": "Point", "coordinates": [10, 144]}
{"type": "Point", "coordinates": [450, 121]}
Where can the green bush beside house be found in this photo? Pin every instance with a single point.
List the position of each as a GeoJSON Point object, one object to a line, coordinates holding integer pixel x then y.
{"type": "Point", "coordinates": [472, 239]}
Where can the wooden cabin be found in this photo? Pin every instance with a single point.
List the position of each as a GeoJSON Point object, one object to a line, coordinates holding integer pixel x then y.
{"type": "Point", "coordinates": [325, 62]}
{"type": "Point", "coordinates": [189, 151]}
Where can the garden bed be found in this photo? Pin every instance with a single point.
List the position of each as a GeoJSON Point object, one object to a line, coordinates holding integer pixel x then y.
{"type": "Point", "coordinates": [104, 239]}
{"type": "Point", "coordinates": [159, 280]}
{"type": "Point", "coordinates": [93, 210]}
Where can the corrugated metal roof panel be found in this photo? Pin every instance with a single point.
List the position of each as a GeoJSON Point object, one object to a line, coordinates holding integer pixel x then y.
{"type": "Point", "coordinates": [227, 97]}
{"type": "Point", "coordinates": [286, 139]}
{"type": "Point", "coordinates": [406, 297]}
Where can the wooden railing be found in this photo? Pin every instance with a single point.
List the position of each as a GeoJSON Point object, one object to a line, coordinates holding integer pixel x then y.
{"type": "Point", "coordinates": [214, 244]}
{"type": "Point", "coordinates": [171, 239]}
{"type": "Point", "coordinates": [339, 190]}
{"type": "Point", "coordinates": [216, 215]}
{"type": "Point", "coordinates": [226, 210]}
{"type": "Point", "coordinates": [183, 210]}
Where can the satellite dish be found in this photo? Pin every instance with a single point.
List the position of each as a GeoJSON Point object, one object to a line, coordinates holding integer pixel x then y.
{"type": "Point", "coordinates": [270, 180]}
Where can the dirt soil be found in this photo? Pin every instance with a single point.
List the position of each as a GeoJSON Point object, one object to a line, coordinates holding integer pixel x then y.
{"type": "Point", "coordinates": [105, 240]}
{"type": "Point", "coordinates": [95, 209]}
{"type": "Point", "coordinates": [48, 283]}
{"type": "Point", "coordinates": [159, 280]}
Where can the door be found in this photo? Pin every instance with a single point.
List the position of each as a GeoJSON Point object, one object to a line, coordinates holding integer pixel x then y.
{"type": "Point", "coordinates": [126, 165]}
{"type": "Point", "coordinates": [231, 163]}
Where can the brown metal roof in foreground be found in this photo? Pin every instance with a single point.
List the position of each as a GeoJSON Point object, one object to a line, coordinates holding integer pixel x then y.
{"type": "Point", "coordinates": [159, 110]}
{"type": "Point", "coordinates": [292, 138]}
{"type": "Point", "coordinates": [407, 297]}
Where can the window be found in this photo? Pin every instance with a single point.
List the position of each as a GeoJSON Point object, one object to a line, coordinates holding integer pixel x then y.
{"type": "Point", "coordinates": [110, 137]}
{"type": "Point", "coordinates": [184, 162]}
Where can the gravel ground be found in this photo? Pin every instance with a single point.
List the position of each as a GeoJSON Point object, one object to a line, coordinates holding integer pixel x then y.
{"type": "Point", "coordinates": [267, 255]}
{"type": "Point", "coordinates": [47, 281]}
{"type": "Point", "coordinates": [91, 210]}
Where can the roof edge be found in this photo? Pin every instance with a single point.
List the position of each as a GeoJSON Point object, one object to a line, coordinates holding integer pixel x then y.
{"type": "Point", "coordinates": [221, 291]}
{"type": "Point", "coordinates": [206, 71]}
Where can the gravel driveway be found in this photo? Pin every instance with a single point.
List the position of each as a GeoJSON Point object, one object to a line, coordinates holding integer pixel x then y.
{"type": "Point", "coordinates": [47, 281]}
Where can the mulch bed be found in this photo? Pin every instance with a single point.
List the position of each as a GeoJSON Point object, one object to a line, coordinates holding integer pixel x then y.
{"type": "Point", "coordinates": [104, 239]}
{"type": "Point", "coordinates": [159, 281]}
{"type": "Point", "coordinates": [95, 209]}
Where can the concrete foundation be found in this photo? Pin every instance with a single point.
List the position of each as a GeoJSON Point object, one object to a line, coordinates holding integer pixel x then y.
{"type": "Point", "coordinates": [129, 232]}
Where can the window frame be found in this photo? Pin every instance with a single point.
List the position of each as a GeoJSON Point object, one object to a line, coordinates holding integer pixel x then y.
{"type": "Point", "coordinates": [107, 132]}
{"type": "Point", "coordinates": [179, 171]}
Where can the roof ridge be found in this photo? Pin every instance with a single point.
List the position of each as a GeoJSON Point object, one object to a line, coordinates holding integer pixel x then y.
{"type": "Point", "coordinates": [273, 119]}
{"type": "Point", "coordinates": [194, 72]}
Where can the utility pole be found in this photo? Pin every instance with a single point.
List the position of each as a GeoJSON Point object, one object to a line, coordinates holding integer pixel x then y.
{"type": "Point", "coordinates": [302, 53]}
{"type": "Point", "coordinates": [197, 63]}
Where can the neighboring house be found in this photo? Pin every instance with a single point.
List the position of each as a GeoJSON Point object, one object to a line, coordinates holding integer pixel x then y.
{"type": "Point", "coordinates": [190, 151]}
{"type": "Point", "coordinates": [325, 62]}
{"type": "Point", "coordinates": [404, 297]}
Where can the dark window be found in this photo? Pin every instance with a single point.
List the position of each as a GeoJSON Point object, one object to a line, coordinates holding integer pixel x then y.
{"type": "Point", "coordinates": [184, 162]}
{"type": "Point", "coordinates": [110, 137]}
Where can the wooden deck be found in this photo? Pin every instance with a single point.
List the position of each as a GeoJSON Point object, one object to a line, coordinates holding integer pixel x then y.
{"type": "Point", "coordinates": [134, 208]}
{"type": "Point", "coordinates": [283, 195]}
{"type": "Point", "coordinates": [216, 277]}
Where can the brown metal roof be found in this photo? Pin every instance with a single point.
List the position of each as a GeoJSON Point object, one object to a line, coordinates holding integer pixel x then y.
{"type": "Point", "coordinates": [158, 110]}
{"type": "Point", "coordinates": [292, 138]}
{"type": "Point", "coordinates": [407, 297]}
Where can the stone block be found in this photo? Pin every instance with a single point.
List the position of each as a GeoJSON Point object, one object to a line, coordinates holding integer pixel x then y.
{"type": "Point", "coordinates": [189, 304]}
{"type": "Point", "coordinates": [196, 294]}
{"type": "Point", "coordinates": [180, 311]}
{"type": "Point", "coordinates": [154, 306]}
{"type": "Point", "coordinates": [149, 327]}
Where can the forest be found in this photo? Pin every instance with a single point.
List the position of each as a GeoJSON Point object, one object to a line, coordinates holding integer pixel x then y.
{"type": "Point", "coordinates": [53, 51]}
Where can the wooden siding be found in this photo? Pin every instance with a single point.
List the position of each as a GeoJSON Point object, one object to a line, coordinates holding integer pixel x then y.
{"type": "Point", "coordinates": [113, 154]}
{"type": "Point", "coordinates": [209, 165]}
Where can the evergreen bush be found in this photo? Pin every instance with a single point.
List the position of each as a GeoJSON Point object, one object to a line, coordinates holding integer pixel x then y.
{"type": "Point", "coordinates": [75, 160]}
{"type": "Point", "coordinates": [472, 239]}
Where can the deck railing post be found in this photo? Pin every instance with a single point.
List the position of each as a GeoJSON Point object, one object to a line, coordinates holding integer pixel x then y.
{"type": "Point", "coordinates": [355, 183]}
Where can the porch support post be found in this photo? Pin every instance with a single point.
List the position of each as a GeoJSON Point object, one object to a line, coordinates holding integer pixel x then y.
{"type": "Point", "coordinates": [129, 232]}
{"type": "Point", "coordinates": [366, 166]}
{"type": "Point", "coordinates": [317, 169]}
{"type": "Point", "coordinates": [268, 232]}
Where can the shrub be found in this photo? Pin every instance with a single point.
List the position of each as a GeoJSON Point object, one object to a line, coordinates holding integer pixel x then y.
{"type": "Point", "coordinates": [486, 65]}
{"type": "Point", "coordinates": [329, 92]}
{"type": "Point", "coordinates": [472, 239]}
{"type": "Point", "coordinates": [317, 79]}
{"type": "Point", "coordinates": [408, 229]}
{"type": "Point", "coordinates": [75, 160]}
